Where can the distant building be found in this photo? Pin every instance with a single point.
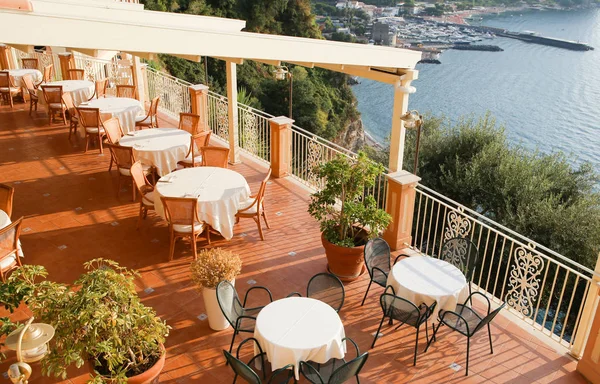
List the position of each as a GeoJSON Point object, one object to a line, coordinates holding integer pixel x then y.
{"type": "Point", "coordinates": [381, 34]}
{"type": "Point", "coordinates": [343, 30]}
{"type": "Point", "coordinates": [349, 4]}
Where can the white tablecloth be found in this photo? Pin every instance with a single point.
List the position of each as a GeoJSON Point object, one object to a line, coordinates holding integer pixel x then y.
{"type": "Point", "coordinates": [17, 75]}
{"type": "Point", "coordinates": [80, 90]}
{"type": "Point", "coordinates": [123, 108]}
{"type": "Point", "coordinates": [299, 329]}
{"type": "Point", "coordinates": [220, 192]}
{"type": "Point", "coordinates": [424, 279]}
{"type": "Point", "coordinates": [5, 222]}
{"type": "Point", "coordinates": [160, 147]}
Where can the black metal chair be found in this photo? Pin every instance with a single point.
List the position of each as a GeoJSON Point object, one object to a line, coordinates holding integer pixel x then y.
{"type": "Point", "coordinates": [462, 253]}
{"type": "Point", "coordinates": [279, 376]}
{"type": "Point", "coordinates": [242, 319]}
{"type": "Point", "coordinates": [377, 259]}
{"type": "Point", "coordinates": [466, 321]}
{"type": "Point", "coordinates": [397, 308]}
{"type": "Point", "coordinates": [327, 288]}
{"type": "Point", "coordinates": [335, 371]}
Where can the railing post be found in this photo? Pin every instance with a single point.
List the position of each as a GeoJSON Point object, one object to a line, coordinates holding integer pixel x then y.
{"type": "Point", "coordinates": [6, 59]}
{"type": "Point", "coordinates": [67, 61]}
{"type": "Point", "coordinates": [591, 356]}
{"type": "Point", "coordinates": [281, 145]}
{"type": "Point", "coordinates": [199, 104]}
{"type": "Point", "coordinates": [400, 204]}
{"type": "Point", "coordinates": [232, 112]}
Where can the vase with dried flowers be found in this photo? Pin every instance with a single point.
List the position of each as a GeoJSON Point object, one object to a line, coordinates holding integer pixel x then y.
{"type": "Point", "coordinates": [210, 268]}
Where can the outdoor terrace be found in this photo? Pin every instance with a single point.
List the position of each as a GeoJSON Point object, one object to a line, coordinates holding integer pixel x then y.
{"type": "Point", "coordinates": [72, 215]}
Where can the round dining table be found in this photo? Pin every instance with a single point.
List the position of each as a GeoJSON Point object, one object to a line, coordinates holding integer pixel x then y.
{"type": "Point", "coordinates": [298, 329]}
{"type": "Point", "coordinates": [5, 222]}
{"type": "Point", "coordinates": [17, 76]}
{"type": "Point", "coordinates": [220, 193]}
{"type": "Point", "coordinates": [80, 90]}
{"type": "Point", "coordinates": [424, 279]}
{"type": "Point", "coordinates": [160, 147]}
{"type": "Point", "coordinates": [123, 108]}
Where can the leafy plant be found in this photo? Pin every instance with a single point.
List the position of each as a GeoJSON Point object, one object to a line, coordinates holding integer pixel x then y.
{"type": "Point", "coordinates": [347, 217]}
{"type": "Point", "coordinates": [215, 265]}
{"type": "Point", "coordinates": [100, 319]}
{"type": "Point", "coordinates": [6, 327]}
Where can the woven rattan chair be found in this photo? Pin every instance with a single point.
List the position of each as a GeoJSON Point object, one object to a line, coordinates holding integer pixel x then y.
{"type": "Point", "coordinates": [397, 308]}
{"type": "Point", "coordinates": [377, 259]}
{"type": "Point", "coordinates": [462, 253]}
{"type": "Point", "coordinates": [327, 288]}
{"type": "Point", "coordinates": [99, 89]}
{"type": "Point", "coordinates": [466, 321]}
{"type": "Point", "coordinates": [335, 371]}
{"type": "Point", "coordinates": [73, 116]}
{"type": "Point", "coordinates": [7, 88]}
{"type": "Point", "coordinates": [144, 188]}
{"type": "Point", "coordinates": [94, 130]}
{"type": "Point", "coordinates": [9, 246]}
{"type": "Point", "coordinates": [214, 156]}
{"type": "Point", "coordinates": [75, 74]}
{"type": "Point", "coordinates": [53, 94]}
{"type": "Point", "coordinates": [182, 215]}
{"type": "Point", "coordinates": [7, 194]}
{"type": "Point", "coordinates": [151, 119]}
{"type": "Point", "coordinates": [124, 159]}
{"type": "Point", "coordinates": [194, 158]}
{"type": "Point", "coordinates": [242, 319]}
{"type": "Point", "coordinates": [190, 123]}
{"type": "Point", "coordinates": [31, 63]}
{"type": "Point", "coordinates": [114, 133]}
{"type": "Point", "coordinates": [254, 207]}
{"type": "Point", "coordinates": [126, 91]}
{"type": "Point", "coordinates": [33, 96]}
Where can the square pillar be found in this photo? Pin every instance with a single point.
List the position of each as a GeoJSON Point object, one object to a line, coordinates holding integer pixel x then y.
{"type": "Point", "coordinates": [281, 145]}
{"type": "Point", "coordinates": [400, 204]}
{"type": "Point", "coordinates": [232, 112]}
{"type": "Point", "coordinates": [199, 103]}
{"type": "Point", "coordinates": [589, 365]}
{"type": "Point", "coordinates": [67, 61]}
{"type": "Point", "coordinates": [6, 59]}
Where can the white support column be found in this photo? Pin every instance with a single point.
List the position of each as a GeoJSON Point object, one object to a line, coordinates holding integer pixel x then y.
{"type": "Point", "coordinates": [138, 79]}
{"type": "Point", "coordinates": [398, 132]}
{"type": "Point", "coordinates": [232, 110]}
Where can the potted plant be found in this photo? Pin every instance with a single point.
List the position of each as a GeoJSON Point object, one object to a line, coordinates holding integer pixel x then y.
{"type": "Point", "coordinates": [99, 319]}
{"type": "Point", "coordinates": [210, 268]}
{"type": "Point", "coordinates": [348, 216]}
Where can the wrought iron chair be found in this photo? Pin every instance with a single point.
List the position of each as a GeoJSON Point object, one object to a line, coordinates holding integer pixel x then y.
{"type": "Point", "coordinates": [462, 253]}
{"type": "Point", "coordinates": [145, 190]}
{"type": "Point", "coordinates": [335, 371]}
{"type": "Point", "coordinates": [53, 94]}
{"type": "Point", "coordinates": [30, 63]}
{"type": "Point", "coordinates": [280, 376]}
{"type": "Point", "coordinates": [7, 89]}
{"type": "Point", "coordinates": [75, 74]}
{"type": "Point", "coordinates": [126, 91]}
{"type": "Point", "coordinates": [194, 158]}
{"type": "Point", "coordinates": [214, 156]}
{"type": "Point", "coordinates": [242, 319]}
{"type": "Point", "coordinates": [254, 207]}
{"type": "Point", "coordinates": [99, 89]}
{"type": "Point", "coordinates": [9, 246]}
{"type": "Point", "coordinates": [151, 119]}
{"type": "Point", "coordinates": [377, 259]}
{"type": "Point", "coordinates": [189, 122]}
{"type": "Point", "coordinates": [7, 194]}
{"type": "Point", "coordinates": [327, 288]}
{"type": "Point", "coordinates": [91, 121]}
{"type": "Point", "coordinates": [466, 321]}
{"type": "Point", "coordinates": [182, 215]}
{"type": "Point", "coordinates": [397, 308]}
{"type": "Point", "coordinates": [33, 96]}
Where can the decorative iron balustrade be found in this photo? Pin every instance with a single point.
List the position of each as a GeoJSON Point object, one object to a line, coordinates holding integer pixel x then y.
{"type": "Point", "coordinates": [218, 115]}
{"type": "Point", "coordinates": [174, 93]}
{"type": "Point", "coordinates": [97, 69]}
{"type": "Point", "coordinates": [255, 132]}
{"type": "Point", "coordinates": [44, 59]}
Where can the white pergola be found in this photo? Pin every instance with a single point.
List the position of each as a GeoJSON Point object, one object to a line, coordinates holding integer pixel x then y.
{"type": "Point", "coordinates": [103, 25]}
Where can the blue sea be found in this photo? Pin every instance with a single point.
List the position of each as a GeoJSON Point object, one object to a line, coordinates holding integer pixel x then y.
{"type": "Point", "coordinates": [547, 98]}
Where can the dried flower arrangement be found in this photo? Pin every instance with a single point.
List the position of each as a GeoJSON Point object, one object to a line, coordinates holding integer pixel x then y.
{"type": "Point", "coordinates": [215, 265]}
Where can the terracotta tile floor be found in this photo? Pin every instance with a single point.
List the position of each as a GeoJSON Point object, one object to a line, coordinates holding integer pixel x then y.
{"type": "Point", "coordinates": [72, 214]}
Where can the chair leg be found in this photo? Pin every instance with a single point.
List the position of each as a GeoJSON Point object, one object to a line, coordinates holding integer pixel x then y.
{"type": "Point", "coordinates": [377, 333]}
{"type": "Point", "coordinates": [265, 218]}
{"type": "Point", "coordinates": [87, 142]}
{"type": "Point", "coordinates": [30, 106]}
{"type": "Point", "coordinates": [133, 188]}
{"type": "Point", "coordinates": [232, 340]}
{"type": "Point", "coordinates": [416, 347]}
{"type": "Point", "coordinates": [432, 337]}
{"type": "Point", "coordinates": [141, 215]}
{"type": "Point", "coordinates": [260, 231]}
{"type": "Point", "coordinates": [172, 247]}
{"type": "Point", "coordinates": [368, 287]}
{"type": "Point", "coordinates": [490, 336]}
{"type": "Point", "coordinates": [194, 249]}
{"type": "Point", "coordinates": [468, 346]}
{"type": "Point", "coordinates": [100, 143]}
{"type": "Point", "coordinates": [64, 117]}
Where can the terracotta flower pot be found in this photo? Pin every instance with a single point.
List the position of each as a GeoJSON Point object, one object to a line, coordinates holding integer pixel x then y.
{"type": "Point", "coordinates": [148, 377]}
{"type": "Point", "coordinates": [346, 263]}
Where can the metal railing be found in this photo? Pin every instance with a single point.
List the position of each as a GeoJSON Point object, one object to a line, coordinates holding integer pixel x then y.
{"type": "Point", "coordinates": [218, 115]}
{"type": "Point", "coordinates": [255, 132]}
{"type": "Point", "coordinates": [44, 59]}
{"type": "Point", "coordinates": [544, 288]}
{"type": "Point", "coordinates": [174, 93]}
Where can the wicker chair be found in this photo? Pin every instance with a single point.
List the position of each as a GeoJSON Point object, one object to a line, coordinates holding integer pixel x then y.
{"type": "Point", "coordinates": [242, 319]}
{"type": "Point", "coordinates": [53, 94]}
{"type": "Point", "coordinates": [48, 74]}
{"type": "Point", "coordinates": [194, 158]}
{"type": "Point", "coordinates": [31, 63]}
{"type": "Point", "coordinates": [126, 91]}
{"type": "Point", "coordinates": [377, 259]}
{"type": "Point", "coordinates": [462, 253]}
{"type": "Point", "coordinates": [466, 321]}
{"type": "Point", "coordinates": [33, 96]}
{"type": "Point", "coordinates": [280, 376]}
{"type": "Point", "coordinates": [327, 288]}
{"type": "Point", "coordinates": [114, 133]}
{"type": "Point", "coordinates": [182, 215]}
{"type": "Point", "coordinates": [190, 123]}
{"type": "Point", "coordinates": [151, 119]}
{"type": "Point", "coordinates": [397, 308]}
{"type": "Point", "coordinates": [75, 74]}
{"type": "Point", "coordinates": [73, 116]}
{"type": "Point", "coordinates": [124, 159]}
{"type": "Point", "coordinates": [99, 89]}
{"type": "Point", "coordinates": [335, 371]}
{"type": "Point", "coordinates": [9, 246]}
{"type": "Point", "coordinates": [94, 130]}
{"type": "Point", "coordinates": [144, 188]}
{"type": "Point", "coordinates": [254, 207]}
{"type": "Point", "coordinates": [7, 194]}
{"type": "Point", "coordinates": [214, 156]}
{"type": "Point", "coordinates": [7, 89]}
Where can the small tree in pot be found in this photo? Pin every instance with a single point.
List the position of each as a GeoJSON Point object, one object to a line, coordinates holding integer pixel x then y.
{"type": "Point", "coordinates": [348, 216]}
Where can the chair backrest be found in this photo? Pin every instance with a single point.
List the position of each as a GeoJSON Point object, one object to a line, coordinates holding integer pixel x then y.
{"type": "Point", "coordinates": [180, 210]}
{"type": "Point", "coordinates": [488, 318]}
{"type": "Point", "coordinates": [126, 91]}
{"type": "Point", "coordinates": [461, 253]}
{"type": "Point", "coordinates": [377, 257]}
{"type": "Point", "coordinates": [123, 156]}
{"type": "Point", "coordinates": [198, 141]}
{"type": "Point", "coordinates": [139, 179]}
{"type": "Point", "coordinates": [348, 370]}
{"type": "Point", "coordinates": [30, 63]}
{"type": "Point", "coordinates": [401, 309]}
{"type": "Point", "coordinates": [75, 74]}
{"type": "Point", "coordinates": [327, 288]}
{"type": "Point", "coordinates": [113, 130]}
{"type": "Point", "coordinates": [214, 156]}
{"type": "Point", "coordinates": [48, 73]}
{"type": "Point", "coordinates": [89, 117]}
{"type": "Point", "coordinates": [260, 196]}
{"type": "Point", "coordinates": [5, 79]}
{"type": "Point", "coordinates": [9, 239]}
{"type": "Point", "coordinates": [26, 79]}
{"type": "Point", "coordinates": [189, 122]}
{"type": "Point", "coordinates": [153, 111]}
{"type": "Point", "coordinates": [7, 194]}
{"type": "Point", "coordinates": [100, 87]}
{"type": "Point", "coordinates": [241, 369]}
{"type": "Point", "coordinates": [52, 93]}
{"type": "Point", "coordinates": [68, 102]}
{"type": "Point", "coordinates": [229, 302]}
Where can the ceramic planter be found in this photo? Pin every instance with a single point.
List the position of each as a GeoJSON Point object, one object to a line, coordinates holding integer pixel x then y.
{"type": "Point", "coordinates": [148, 377]}
{"type": "Point", "coordinates": [216, 320]}
{"type": "Point", "coordinates": [346, 263]}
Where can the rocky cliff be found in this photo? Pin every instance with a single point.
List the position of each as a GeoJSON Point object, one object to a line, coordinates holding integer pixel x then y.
{"type": "Point", "coordinates": [353, 137]}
